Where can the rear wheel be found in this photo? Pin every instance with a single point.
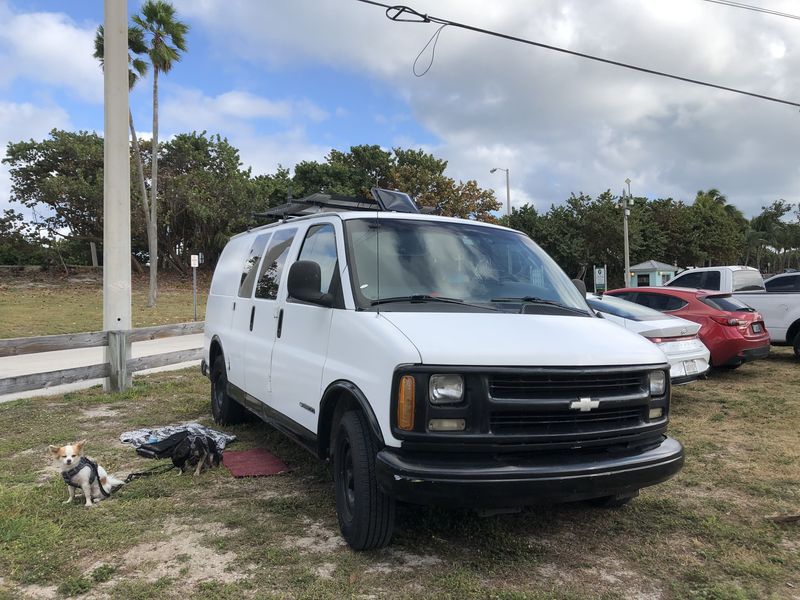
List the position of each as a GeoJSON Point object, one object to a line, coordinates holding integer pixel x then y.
{"type": "Point", "coordinates": [366, 514]}
{"type": "Point", "coordinates": [797, 346]}
{"type": "Point", "coordinates": [224, 409]}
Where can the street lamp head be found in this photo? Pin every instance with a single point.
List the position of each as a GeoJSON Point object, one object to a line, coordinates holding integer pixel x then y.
{"type": "Point", "coordinates": [493, 170]}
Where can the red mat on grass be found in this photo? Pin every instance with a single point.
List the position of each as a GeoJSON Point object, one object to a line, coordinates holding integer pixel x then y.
{"type": "Point", "coordinates": [253, 463]}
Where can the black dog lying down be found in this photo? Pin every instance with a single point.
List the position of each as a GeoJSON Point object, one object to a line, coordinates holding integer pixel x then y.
{"type": "Point", "coordinates": [187, 451]}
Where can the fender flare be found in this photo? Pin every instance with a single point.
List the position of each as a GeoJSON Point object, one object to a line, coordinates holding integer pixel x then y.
{"type": "Point", "coordinates": [327, 407]}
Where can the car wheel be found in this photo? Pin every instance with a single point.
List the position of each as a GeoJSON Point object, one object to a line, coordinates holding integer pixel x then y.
{"type": "Point", "coordinates": [224, 409]}
{"type": "Point", "coordinates": [797, 346]}
{"type": "Point", "coordinates": [616, 501]}
{"type": "Point", "coordinates": [366, 514]}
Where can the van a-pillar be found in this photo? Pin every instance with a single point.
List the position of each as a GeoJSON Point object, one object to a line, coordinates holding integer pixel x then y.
{"type": "Point", "coordinates": [116, 196]}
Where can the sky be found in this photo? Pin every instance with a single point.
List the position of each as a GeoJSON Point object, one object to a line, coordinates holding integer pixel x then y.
{"type": "Point", "coordinates": [288, 80]}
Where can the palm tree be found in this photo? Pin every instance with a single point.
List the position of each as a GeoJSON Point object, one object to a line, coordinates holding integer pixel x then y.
{"type": "Point", "coordinates": [167, 40]}
{"type": "Point", "coordinates": [136, 70]}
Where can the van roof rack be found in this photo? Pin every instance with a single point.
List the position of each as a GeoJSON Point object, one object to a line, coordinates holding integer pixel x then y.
{"type": "Point", "coordinates": [383, 200]}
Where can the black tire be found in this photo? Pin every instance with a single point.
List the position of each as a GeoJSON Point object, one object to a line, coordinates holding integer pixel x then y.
{"type": "Point", "coordinates": [797, 346]}
{"type": "Point", "coordinates": [366, 514]}
{"type": "Point", "coordinates": [616, 501]}
{"type": "Point", "coordinates": [224, 409]}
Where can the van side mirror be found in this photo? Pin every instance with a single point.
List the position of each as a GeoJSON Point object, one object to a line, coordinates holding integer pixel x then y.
{"type": "Point", "coordinates": [305, 278]}
{"type": "Point", "coordinates": [581, 286]}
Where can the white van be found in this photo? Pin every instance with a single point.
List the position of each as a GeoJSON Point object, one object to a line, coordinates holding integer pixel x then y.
{"type": "Point", "coordinates": [432, 360]}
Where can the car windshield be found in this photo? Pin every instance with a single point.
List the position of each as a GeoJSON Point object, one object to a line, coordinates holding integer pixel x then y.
{"type": "Point", "coordinates": [415, 261]}
{"type": "Point", "coordinates": [622, 308]}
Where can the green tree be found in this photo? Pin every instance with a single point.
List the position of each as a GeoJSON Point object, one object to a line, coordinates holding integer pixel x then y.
{"type": "Point", "coordinates": [717, 228]}
{"type": "Point", "coordinates": [166, 37]}
{"type": "Point", "coordinates": [63, 174]}
{"type": "Point", "coordinates": [18, 246]}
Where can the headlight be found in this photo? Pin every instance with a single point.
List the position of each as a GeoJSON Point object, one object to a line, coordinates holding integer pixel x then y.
{"type": "Point", "coordinates": [658, 383]}
{"type": "Point", "coordinates": [446, 389]}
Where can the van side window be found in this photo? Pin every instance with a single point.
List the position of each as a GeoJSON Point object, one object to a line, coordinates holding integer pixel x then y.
{"type": "Point", "coordinates": [251, 266]}
{"type": "Point", "coordinates": [320, 246]}
{"type": "Point", "coordinates": [269, 278]}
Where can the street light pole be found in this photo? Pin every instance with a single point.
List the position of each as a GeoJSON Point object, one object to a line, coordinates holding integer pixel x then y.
{"type": "Point", "coordinates": [625, 213]}
{"type": "Point", "coordinates": [508, 188]}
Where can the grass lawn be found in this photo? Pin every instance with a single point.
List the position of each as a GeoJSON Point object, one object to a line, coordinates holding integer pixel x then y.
{"type": "Point", "coordinates": [44, 304]}
{"type": "Point", "coordinates": [701, 535]}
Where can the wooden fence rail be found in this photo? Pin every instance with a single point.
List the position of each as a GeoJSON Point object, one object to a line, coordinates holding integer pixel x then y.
{"type": "Point", "coordinates": [70, 341]}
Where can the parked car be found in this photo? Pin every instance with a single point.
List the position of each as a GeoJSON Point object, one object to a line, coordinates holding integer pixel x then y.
{"type": "Point", "coordinates": [779, 308]}
{"type": "Point", "coordinates": [432, 360]}
{"type": "Point", "coordinates": [733, 332]}
{"type": "Point", "coordinates": [678, 338]}
{"type": "Point", "coordinates": [783, 282]}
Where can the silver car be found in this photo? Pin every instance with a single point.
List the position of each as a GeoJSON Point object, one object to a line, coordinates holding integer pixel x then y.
{"type": "Point", "coordinates": [688, 356]}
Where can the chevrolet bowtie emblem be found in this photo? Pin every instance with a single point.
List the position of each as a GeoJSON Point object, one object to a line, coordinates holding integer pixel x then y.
{"type": "Point", "coordinates": [584, 404]}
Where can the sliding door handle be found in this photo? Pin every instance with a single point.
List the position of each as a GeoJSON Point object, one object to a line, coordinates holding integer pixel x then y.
{"type": "Point", "coordinates": [280, 323]}
{"type": "Point", "coordinates": [252, 316]}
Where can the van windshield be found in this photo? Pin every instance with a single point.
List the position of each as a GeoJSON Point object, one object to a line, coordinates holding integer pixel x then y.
{"type": "Point", "coordinates": [413, 260]}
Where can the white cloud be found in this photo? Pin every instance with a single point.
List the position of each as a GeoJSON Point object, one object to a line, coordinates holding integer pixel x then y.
{"type": "Point", "coordinates": [50, 48]}
{"type": "Point", "coordinates": [560, 123]}
{"type": "Point", "coordinates": [235, 110]}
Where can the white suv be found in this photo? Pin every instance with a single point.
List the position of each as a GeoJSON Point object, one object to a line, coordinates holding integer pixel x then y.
{"type": "Point", "coordinates": [433, 360]}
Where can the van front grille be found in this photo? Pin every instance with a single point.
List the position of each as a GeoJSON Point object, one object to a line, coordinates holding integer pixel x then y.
{"type": "Point", "coordinates": [554, 386]}
{"type": "Point", "coordinates": [564, 422]}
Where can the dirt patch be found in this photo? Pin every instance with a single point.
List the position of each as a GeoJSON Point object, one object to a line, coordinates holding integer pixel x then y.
{"type": "Point", "coordinates": [181, 551]}
{"type": "Point", "coordinates": [39, 592]}
{"type": "Point", "coordinates": [325, 570]}
{"type": "Point", "coordinates": [606, 574]}
{"type": "Point", "coordinates": [398, 560]}
{"type": "Point", "coordinates": [99, 412]}
{"type": "Point", "coordinates": [317, 538]}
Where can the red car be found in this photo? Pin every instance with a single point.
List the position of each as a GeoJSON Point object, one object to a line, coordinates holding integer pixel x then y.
{"type": "Point", "coordinates": [731, 330]}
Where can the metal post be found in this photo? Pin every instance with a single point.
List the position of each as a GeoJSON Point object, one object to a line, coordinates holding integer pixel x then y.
{"type": "Point", "coordinates": [116, 194]}
{"type": "Point", "coordinates": [508, 195]}
{"type": "Point", "coordinates": [194, 290]}
{"type": "Point", "coordinates": [626, 211]}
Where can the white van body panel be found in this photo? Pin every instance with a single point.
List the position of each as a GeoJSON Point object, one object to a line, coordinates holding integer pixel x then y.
{"type": "Point", "coordinates": [503, 339]}
{"type": "Point", "coordinates": [365, 348]}
{"type": "Point", "coordinates": [222, 296]}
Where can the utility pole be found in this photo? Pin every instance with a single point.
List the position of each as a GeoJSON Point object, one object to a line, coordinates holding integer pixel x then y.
{"type": "Point", "coordinates": [625, 213]}
{"type": "Point", "coordinates": [116, 195]}
{"type": "Point", "coordinates": [508, 188]}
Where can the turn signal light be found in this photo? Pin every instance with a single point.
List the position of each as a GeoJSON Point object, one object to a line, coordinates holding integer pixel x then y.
{"type": "Point", "coordinates": [656, 413]}
{"type": "Point", "coordinates": [405, 403]}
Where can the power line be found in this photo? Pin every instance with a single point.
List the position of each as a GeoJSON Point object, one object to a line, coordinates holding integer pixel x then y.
{"type": "Point", "coordinates": [409, 15]}
{"type": "Point", "coordinates": [760, 9]}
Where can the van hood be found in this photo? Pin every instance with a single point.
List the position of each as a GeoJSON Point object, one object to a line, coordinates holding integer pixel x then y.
{"type": "Point", "coordinates": [503, 339]}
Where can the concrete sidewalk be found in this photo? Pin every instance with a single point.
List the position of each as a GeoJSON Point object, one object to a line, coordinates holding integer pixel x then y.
{"type": "Point", "coordinates": [65, 359]}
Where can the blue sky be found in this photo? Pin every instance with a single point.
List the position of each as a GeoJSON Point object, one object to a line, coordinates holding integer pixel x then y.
{"type": "Point", "coordinates": [287, 81]}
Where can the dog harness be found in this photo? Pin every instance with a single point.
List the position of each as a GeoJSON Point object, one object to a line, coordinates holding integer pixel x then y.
{"type": "Point", "coordinates": [82, 463]}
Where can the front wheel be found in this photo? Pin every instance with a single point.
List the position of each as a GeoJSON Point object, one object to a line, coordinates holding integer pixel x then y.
{"type": "Point", "coordinates": [366, 514]}
{"type": "Point", "coordinates": [224, 409]}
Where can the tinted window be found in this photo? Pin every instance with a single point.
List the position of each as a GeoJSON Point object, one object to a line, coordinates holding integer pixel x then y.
{"type": "Point", "coordinates": [746, 281]}
{"type": "Point", "coordinates": [251, 266]}
{"type": "Point", "coordinates": [622, 308]}
{"type": "Point", "coordinates": [320, 246]}
{"type": "Point", "coordinates": [269, 278]}
{"type": "Point", "coordinates": [727, 303]}
{"type": "Point", "coordinates": [690, 280]}
{"type": "Point", "coordinates": [790, 283]}
{"type": "Point", "coordinates": [660, 302]}
{"type": "Point", "coordinates": [711, 280]}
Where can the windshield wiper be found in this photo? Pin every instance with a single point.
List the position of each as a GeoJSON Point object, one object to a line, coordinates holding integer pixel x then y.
{"type": "Point", "coordinates": [420, 298]}
{"type": "Point", "coordinates": [537, 300]}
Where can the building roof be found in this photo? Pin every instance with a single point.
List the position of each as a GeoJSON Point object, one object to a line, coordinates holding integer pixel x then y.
{"type": "Point", "coordinates": [653, 265]}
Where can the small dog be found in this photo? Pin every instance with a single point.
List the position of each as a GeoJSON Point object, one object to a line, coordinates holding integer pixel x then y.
{"type": "Point", "coordinates": [198, 451]}
{"type": "Point", "coordinates": [82, 472]}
